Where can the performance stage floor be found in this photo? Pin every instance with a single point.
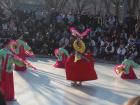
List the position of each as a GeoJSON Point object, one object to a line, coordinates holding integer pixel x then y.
{"type": "Point", "coordinates": [48, 86]}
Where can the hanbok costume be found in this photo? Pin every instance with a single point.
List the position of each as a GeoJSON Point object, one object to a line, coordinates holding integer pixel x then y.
{"type": "Point", "coordinates": [129, 72]}
{"type": "Point", "coordinates": [6, 73]}
{"type": "Point", "coordinates": [80, 66]}
{"type": "Point", "coordinates": [21, 51]}
{"type": "Point", "coordinates": [61, 55]}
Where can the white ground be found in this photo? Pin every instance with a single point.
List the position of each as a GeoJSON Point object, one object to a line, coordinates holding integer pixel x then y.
{"type": "Point", "coordinates": [48, 86]}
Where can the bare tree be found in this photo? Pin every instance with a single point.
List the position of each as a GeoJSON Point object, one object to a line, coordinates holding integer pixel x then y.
{"type": "Point", "coordinates": [7, 6]}
{"type": "Point", "coordinates": [117, 4]}
{"type": "Point", "coordinates": [107, 4]}
{"type": "Point", "coordinates": [62, 4]}
{"type": "Point", "coordinates": [132, 6]}
{"type": "Point", "coordinates": [94, 3]}
{"type": "Point", "coordinates": [81, 5]}
{"type": "Point", "coordinates": [55, 4]}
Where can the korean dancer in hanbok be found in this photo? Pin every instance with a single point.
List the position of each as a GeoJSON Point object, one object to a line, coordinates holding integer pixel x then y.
{"type": "Point", "coordinates": [126, 69]}
{"type": "Point", "coordinates": [22, 50]}
{"type": "Point", "coordinates": [80, 66]}
{"type": "Point", "coordinates": [61, 55]}
{"type": "Point", "coordinates": [7, 59]}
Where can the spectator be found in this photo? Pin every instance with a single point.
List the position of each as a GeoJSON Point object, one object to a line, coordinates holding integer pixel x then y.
{"type": "Point", "coordinates": [92, 45]}
{"type": "Point", "coordinates": [109, 50]}
{"type": "Point", "coordinates": [131, 39]}
{"type": "Point", "coordinates": [132, 51]}
{"type": "Point", "coordinates": [48, 33]}
{"type": "Point", "coordinates": [64, 41]}
{"type": "Point", "coordinates": [70, 18]}
{"type": "Point", "coordinates": [124, 35]}
{"type": "Point", "coordinates": [121, 53]}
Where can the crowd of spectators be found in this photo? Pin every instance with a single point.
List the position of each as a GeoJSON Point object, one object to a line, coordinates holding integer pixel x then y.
{"type": "Point", "coordinates": [109, 39]}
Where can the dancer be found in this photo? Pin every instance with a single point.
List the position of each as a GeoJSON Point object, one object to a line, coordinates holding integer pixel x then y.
{"type": "Point", "coordinates": [22, 50]}
{"type": "Point", "coordinates": [61, 55]}
{"type": "Point", "coordinates": [126, 69]}
{"type": "Point", "coordinates": [6, 71]}
{"type": "Point", "coordinates": [80, 66]}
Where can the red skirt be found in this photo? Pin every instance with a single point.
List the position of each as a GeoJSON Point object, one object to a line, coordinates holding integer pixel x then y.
{"type": "Point", "coordinates": [7, 85]}
{"type": "Point", "coordinates": [131, 74]}
{"type": "Point", "coordinates": [81, 70]}
{"type": "Point", "coordinates": [23, 56]}
{"type": "Point", "coordinates": [61, 64]}
{"type": "Point", "coordinates": [18, 68]}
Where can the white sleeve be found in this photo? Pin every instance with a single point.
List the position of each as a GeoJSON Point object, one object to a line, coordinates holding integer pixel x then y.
{"type": "Point", "coordinates": [112, 49]}
{"type": "Point", "coordinates": [118, 51]}
{"type": "Point", "coordinates": [123, 51]}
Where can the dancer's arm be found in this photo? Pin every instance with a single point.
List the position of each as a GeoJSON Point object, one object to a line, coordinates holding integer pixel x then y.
{"type": "Point", "coordinates": [82, 56]}
{"type": "Point", "coordinates": [0, 67]}
{"type": "Point", "coordinates": [135, 65]}
{"type": "Point", "coordinates": [11, 61]}
{"type": "Point", "coordinates": [59, 57]}
{"type": "Point", "coordinates": [127, 64]}
{"type": "Point", "coordinates": [24, 44]}
{"type": "Point", "coordinates": [17, 62]}
{"type": "Point", "coordinates": [64, 51]}
{"type": "Point", "coordinates": [127, 67]}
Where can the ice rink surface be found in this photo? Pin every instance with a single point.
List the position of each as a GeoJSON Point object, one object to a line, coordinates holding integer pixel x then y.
{"type": "Point", "coordinates": [48, 86]}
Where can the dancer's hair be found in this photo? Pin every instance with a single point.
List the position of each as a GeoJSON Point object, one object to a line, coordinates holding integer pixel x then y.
{"type": "Point", "coordinates": [2, 99]}
{"type": "Point", "coordinates": [133, 101]}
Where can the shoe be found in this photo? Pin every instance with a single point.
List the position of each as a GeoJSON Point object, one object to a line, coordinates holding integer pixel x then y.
{"type": "Point", "coordinates": [73, 83]}
{"type": "Point", "coordinates": [80, 83]}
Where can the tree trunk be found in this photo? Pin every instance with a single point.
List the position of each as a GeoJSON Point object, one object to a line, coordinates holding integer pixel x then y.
{"type": "Point", "coordinates": [56, 4]}
{"type": "Point", "coordinates": [107, 6]}
{"type": "Point", "coordinates": [125, 9]}
{"type": "Point", "coordinates": [62, 4]}
{"type": "Point", "coordinates": [132, 6]}
{"type": "Point", "coordinates": [94, 3]}
{"type": "Point", "coordinates": [80, 5]}
{"type": "Point", "coordinates": [117, 7]}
